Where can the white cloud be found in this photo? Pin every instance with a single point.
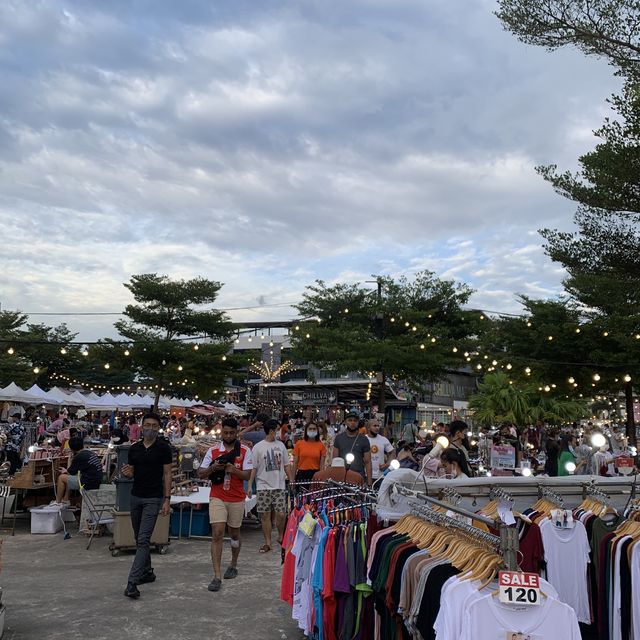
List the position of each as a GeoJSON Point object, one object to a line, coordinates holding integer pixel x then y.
{"type": "Point", "coordinates": [267, 144]}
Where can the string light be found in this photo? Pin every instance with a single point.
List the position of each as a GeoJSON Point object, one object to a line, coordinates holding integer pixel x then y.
{"type": "Point", "coordinates": [106, 366]}
{"type": "Point", "coordinates": [63, 351]}
{"type": "Point", "coordinates": [126, 352]}
{"type": "Point", "coordinates": [36, 370]}
{"type": "Point", "coordinates": [179, 367]}
{"type": "Point", "coordinates": [10, 351]}
{"type": "Point", "coordinates": [596, 377]}
{"type": "Point", "coordinates": [627, 378]}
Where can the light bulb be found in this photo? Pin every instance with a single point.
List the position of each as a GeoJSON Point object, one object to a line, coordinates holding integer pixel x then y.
{"type": "Point", "coordinates": [443, 441]}
{"type": "Point", "coordinates": [106, 366]}
{"type": "Point", "coordinates": [179, 367]}
{"type": "Point", "coordinates": [394, 464]}
{"type": "Point", "coordinates": [570, 467]}
{"type": "Point", "coordinates": [526, 472]}
{"type": "Point", "coordinates": [509, 366]}
{"type": "Point", "coordinates": [349, 458]}
{"type": "Point", "coordinates": [627, 378]}
{"type": "Point", "coordinates": [469, 434]}
{"type": "Point", "coordinates": [223, 359]}
{"type": "Point", "coordinates": [572, 380]}
{"type": "Point", "coordinates": [596, 377]}
{"type": "Point", "coordinates": [126, 352]}
{"type": "Point", "coordinates": [63, 351]}
{"type": "Point", "coordinates": [598, 440]}
{"type": "Point", "coordinates": [85, 353]}
{"type": "Point", "coordinates": [36, 370]}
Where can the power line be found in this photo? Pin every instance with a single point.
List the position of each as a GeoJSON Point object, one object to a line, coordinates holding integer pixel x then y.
{"type": "Point", "coordinates": [121, 313]}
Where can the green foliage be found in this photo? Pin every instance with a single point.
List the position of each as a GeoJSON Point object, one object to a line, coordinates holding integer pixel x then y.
{"type": "Point", "coordinates": [499, 399]}
{"type": "Point", "coordinates": [34, 346]}
{"type": "Point", "coordinates": [351, 329]}
{"type": "Point", "coordinates": [168, 312]}
{"type": "Point", "coordinates": [608, 29]}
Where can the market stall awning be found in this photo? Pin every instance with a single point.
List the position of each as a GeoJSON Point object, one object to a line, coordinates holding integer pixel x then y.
{"type": "Point", "coordinates": [207, 410]}
{"type": "Point", "coordinates": [65, 399]}
{"type": "Point", "coordinates": [13, 393]}
{"type": "Point", "coordinates": [331, 391]}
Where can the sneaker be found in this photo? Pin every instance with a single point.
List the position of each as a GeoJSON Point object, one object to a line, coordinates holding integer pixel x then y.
{"type": "Point", "coordinates": [149, 576]}
{"type": "Point", "coordinates": [131, 591]}
{"type": "Point", "coordinates": [230, 573]}
{"type": "Point", "coordinates": [215, 584]}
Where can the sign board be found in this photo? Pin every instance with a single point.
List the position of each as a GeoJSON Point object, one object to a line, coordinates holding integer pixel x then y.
{"type": "Point", "coordinates": [624, 465]}
{"type": "Point", "coordinates": [503, 456]}
{"type": "Point", "coordinates": [517, 587]}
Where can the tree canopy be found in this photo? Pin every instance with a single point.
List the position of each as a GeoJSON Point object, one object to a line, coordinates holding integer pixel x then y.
{"type": "Point", "coordinates": [405, 330]}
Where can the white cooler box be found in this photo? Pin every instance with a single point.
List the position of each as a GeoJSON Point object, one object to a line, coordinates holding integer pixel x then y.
{"type": "Point", "coordinates": [47, 519]}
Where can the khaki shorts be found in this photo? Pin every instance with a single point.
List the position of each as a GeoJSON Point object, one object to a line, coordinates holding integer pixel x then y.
{"type": "Point", "coordinates": [271, 499]}
{"type": "Point", "coordinates": [230, 512]}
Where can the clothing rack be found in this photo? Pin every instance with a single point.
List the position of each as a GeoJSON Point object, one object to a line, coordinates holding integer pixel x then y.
{"type": "Point", "coordinates": [498, 493]}
{"type": "Point", "coordinates": [508, 536]}
{"type": "Point", "coordinates": [450, 495]}
{"type": "Point", "coordinates": [590, 489]}
{"type": "Point", "coordinates": [551, 495]}
{"type": "Point", "coordinates": [355, 488]}
{"type": "Point", "coordinates": [443, 520]}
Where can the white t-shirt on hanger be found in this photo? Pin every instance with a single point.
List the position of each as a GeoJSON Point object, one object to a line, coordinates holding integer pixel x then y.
{"type": "Point", "coordinates": [489, 619]}
{"type": "Point", "coordinates": [566, 552]}
{"type": "Point", "coordinates": [458, 595]}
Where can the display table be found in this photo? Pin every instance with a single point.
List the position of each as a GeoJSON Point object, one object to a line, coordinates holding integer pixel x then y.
{"type": "Point", "coordinates": [202, 497]}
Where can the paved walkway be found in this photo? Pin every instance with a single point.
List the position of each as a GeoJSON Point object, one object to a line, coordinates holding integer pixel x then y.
{"type": "Point", "coordinates": [56, 589]}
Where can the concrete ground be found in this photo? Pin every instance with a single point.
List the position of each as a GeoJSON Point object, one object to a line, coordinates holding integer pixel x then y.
{"type": "Point", "coordinates": [54, 589]}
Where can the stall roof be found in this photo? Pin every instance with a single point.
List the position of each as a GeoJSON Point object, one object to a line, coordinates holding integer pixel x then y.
{"type": "Point", "coordinates": [347, 389]}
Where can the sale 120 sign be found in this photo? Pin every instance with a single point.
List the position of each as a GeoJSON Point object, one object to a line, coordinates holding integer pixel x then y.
{"type": "Point", "coordinates": [517, 587]}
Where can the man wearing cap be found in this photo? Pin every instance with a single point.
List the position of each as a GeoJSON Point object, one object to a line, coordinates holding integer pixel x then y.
{"type": "Point", "coordinates": [354, 448]}
{"type": "Point", "coordinates": [15, 437]}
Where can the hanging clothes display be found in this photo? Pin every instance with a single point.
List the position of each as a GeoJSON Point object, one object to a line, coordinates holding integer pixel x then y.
{"type": "Point", "coordinates": [432, 575]}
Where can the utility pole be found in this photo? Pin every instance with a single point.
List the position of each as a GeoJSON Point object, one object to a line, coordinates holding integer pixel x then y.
{"type": "Point", "coordinates": [379, 324]}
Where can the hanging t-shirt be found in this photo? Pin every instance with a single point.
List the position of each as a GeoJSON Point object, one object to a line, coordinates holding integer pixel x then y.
{"type": "Point", "coordinates": [566, 553]}
{"type": "Point", "coordinates": [269, 460]}
{"type": "Point", "coordinates": [380, 446]}
{"type": "Point", "coordinates": [488, 619]}
{"type": "Point", "coordinates": [458, 595]}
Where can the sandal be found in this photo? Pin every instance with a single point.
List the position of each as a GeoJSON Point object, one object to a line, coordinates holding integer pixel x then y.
{"type": "Point", "coordinates": [265, 548]}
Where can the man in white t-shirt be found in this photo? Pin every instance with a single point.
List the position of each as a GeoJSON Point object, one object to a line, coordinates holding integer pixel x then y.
{"type": "Point", "coordinates": [382, 451]}
{"type": "Point", "coordinates": [271, 468]}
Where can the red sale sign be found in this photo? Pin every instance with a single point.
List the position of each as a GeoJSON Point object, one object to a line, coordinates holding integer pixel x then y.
{"type": "Point", "coordinates": [518, 579]}
{"type": "Point", "coordinates": [518, 588]}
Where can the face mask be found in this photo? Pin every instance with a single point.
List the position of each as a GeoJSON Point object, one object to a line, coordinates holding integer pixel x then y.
{"type": "Point", "coordinates": [312, 434]}
{"type": "Point", "coordinates": [149, 434]}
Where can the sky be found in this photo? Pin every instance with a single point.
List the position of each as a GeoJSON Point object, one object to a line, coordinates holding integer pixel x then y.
{"type": "Point", "coordinates": [268, 144]}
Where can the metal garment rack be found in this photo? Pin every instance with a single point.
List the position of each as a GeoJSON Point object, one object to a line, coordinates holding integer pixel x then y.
{"type": "Point", "coordinates": [507, 542]}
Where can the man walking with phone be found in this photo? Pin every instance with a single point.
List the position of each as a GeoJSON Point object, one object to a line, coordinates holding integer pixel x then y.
{"type": "Point", "coordinates": [150, 462]}
{"type": "Point", "coordinates": [227, 466]}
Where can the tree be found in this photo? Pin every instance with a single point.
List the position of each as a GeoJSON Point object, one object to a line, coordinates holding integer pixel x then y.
{"type": "Point", "coordinates": [601, 257]}
{"type": "Point", "coordinates": [159, 328]}
{"type": "Point", "coordinates": [32, 351]}
{"type": "Point", "coordinates": [499, 399]}
{"type": "Point", "coordinates": [604, 28]}
{"type": "Point", "coordinates": [404, 330]}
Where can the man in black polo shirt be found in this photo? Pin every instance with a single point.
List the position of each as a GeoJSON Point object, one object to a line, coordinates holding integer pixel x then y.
{"type": "Point", "coordinates": [150, 461]}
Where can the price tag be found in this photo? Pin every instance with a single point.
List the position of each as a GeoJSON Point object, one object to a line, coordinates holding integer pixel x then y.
{"type": "Point", "coordinates": [519, 588]}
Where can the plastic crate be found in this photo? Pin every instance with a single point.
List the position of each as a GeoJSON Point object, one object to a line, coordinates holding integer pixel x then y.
{"type": "Point", "coordinates": [199, 525]}
{"type": "Point", "coordinates": [48, 519]}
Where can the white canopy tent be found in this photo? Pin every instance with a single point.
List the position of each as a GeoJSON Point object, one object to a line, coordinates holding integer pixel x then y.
{"type": "Point", "coordinates": [105, 402]}
{"type": "Point", "coordinates": [41, 395]}
{"type": "Point", "coordinates": [13, 393]}
{"type": "Point", "coordinates": [64, 398]}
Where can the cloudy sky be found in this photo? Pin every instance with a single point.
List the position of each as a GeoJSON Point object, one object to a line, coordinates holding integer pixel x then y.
{"type": "Point", "coordinates": [266, 144]}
